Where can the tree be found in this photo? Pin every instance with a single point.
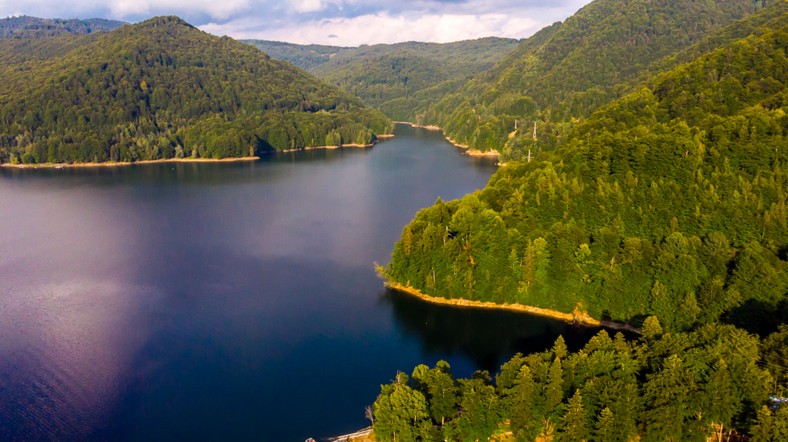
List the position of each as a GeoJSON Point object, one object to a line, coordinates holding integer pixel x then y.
{"type": "Point", "coordinates": [524, 411]}
{"type": "Point", "coordinates": [440, 389]}
{"type": "Point", "coordinates": [605, 426]}
{"type": "Point", "coordinates": [651, 328]}
{"type": "Point", "coordinates": [771, 427]}
{"type": "Point", "coordinates": [400, 412]}
{"type": "Point", "coordinates": [559, 347]}
{"type": "Point", "coordinates": [668, 393]}
{"type": "Point", "coordinates": [574, 426]}
{"type": "Point", "coordinates": [480, 413]}
{"type": "Point", "coordinates": [554, 391]}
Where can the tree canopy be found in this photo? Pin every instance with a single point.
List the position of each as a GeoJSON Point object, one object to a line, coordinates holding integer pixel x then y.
{"type": "Point", "coordinates": [668, 386]}
{"type": "Point", "coordinates": [669, 201]}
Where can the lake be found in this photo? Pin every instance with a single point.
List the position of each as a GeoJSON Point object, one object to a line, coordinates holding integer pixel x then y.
{"type": "Point", "coordinates": [228, 301]}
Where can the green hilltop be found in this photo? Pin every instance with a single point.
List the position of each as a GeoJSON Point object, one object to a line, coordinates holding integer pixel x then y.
{"type": "Point", "coordinates": [163, 89]}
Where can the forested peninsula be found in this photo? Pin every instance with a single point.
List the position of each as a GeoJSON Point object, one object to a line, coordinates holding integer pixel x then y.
{"type": "Point", "coordinates": [162, 89]}
{"type": "Point", "coordinates": [659, 202]}
{"type": "Point", "coordinates": [668, 202]}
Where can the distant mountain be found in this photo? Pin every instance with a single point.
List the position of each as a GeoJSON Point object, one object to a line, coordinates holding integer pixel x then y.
{"type": "Point", "coordinates": [163, 89]}
{"type": "Point", "coordinates": [569, 69]}
{"type": "Point", "coordinates": [306, 57]}
{"type": "Point", "coordinates": [388, 77]}
{"type": "Point", "coordinates": [34, 27]}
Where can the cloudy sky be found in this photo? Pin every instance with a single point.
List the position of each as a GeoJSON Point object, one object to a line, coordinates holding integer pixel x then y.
{"type": "Point", "coordinates": [335, 22]}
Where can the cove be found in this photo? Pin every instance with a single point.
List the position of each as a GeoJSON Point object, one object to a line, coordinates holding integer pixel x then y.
{"type": "Point", "coordinates": [228, 301]}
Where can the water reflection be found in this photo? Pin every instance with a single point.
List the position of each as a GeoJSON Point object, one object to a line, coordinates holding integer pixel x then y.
{"type": "Point", "coordinates": [487, 337]}
{"type": "Point", "coordinates": [231, 301]}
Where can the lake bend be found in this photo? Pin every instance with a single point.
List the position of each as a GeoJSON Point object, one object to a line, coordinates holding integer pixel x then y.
{"type": "Point", "coordinates": [228, 301]}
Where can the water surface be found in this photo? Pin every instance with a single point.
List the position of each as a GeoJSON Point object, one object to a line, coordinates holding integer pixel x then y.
{"type": "Point", "coordinates": [227, 301]}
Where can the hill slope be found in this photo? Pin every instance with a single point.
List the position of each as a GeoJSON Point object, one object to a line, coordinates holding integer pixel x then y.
{"type": "Point", "coordinates": [571, 68]}
{"type": "Point", "coordinates": [669, 201]}
{"type": "Point", "coordinates": [163, 89]}
{"type": "Point", "coordinates": [389, 77]}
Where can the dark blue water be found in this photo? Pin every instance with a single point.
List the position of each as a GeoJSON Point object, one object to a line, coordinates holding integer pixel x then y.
{"type": "Point", "coordinates": [228, 301]}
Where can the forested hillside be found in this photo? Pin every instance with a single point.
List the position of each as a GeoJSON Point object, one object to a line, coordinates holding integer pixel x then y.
{"type": "Point", "coordinates": [669, 201]}
{"type": "Point", "coordinates": [702, 386]}
{"type": "Point", "coordinates": [34, 27]}
{"type": "Point", "coordinates": [569, 69]}
{"type": "Point", "coordinates": [162, 89]}
{"type": "Point", "coordinates": [395, 78]}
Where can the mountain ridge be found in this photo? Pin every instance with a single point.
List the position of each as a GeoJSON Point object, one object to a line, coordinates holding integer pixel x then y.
{"type": "Point", "coordinates": [391, 76]}
{"type": "Point", "coordinates": [26, 26]}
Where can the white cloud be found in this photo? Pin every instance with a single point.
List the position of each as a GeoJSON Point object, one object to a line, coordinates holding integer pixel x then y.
{"type": "Point", "coordinates": [385, 28]}
{"type": "Point", "coordinates": [219, 10]}
{"type": "Point", "coordinates": [125, 9]}
{"type": "Point", "coordinates": [350, 22]}
{"type": "Point", "coordinates": [303, 6]}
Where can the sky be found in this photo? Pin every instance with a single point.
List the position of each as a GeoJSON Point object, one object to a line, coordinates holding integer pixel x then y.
{"type": "Point", "coordinates": [331, 22]}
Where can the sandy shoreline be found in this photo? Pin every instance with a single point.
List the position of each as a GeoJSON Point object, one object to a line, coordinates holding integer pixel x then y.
{"type": "Point", "coordinates": [178, 160]}
{"type": "Point", "coordinates": [419, 126]}
{"type": "Point", "coordinates": [573, 318]}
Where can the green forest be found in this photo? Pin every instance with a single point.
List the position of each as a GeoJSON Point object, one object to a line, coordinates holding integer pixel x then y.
{"type": "Point", "coordinates": [163, 89]}
{"type": "Point", "coordinates": [694, 386]}
{"type": "Point", "coordinates": [660, 203]}
{"type": "Point", "coordinates": [566, 71]}
{"type": "Point", "coordinates": [667, 202]}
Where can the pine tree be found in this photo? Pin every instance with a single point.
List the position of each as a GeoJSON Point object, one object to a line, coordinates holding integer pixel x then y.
{"type": "Point", "coordinates": [554, 391]}
{"type": "Point", "coordinates": [400, 412]}
{"type": "Point", "coordinates": [605, 426]}
{"type": "Point", "coordinates": [524, 412]}
{"type": "Point", "coordinates": [574, 426]}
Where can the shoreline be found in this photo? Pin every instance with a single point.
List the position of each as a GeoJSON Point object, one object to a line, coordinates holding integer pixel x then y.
{"type": "Point", "coordinates": [363, 435]}
{"type": "Point", "coordinates": [420, 126]}
{"type": "Point", "coordinates": [467, 149]}
{"type": "Point", "coordinates": [125, 163]}
{"type": "Point", "coordinates": [573, 318]}
{"type": "Point", "coordinates": [180, 160]}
